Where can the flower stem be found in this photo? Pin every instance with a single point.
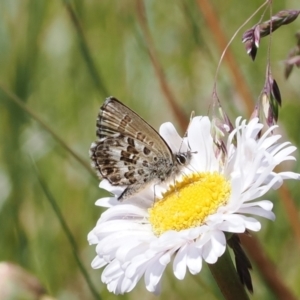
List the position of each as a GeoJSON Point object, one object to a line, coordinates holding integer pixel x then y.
{"type": "Point", "coordinates": [227, 278]}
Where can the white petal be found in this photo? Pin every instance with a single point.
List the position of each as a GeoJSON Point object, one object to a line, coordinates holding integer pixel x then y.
{"type": "Point", "coordinates": [98, 263]}
{"type": "Point", "coordinates": [130, 250]}
{"type": "Point", "coordinates": [284, 154]}
{"type": "Point", "coordinates": [153, 276]}
{"type": "Point", "coordinates": [170, 135]}
{"type": "Point", "coordinates": [138, 266]}
{"type": "Point", "coordinates": [264, 204]}
{"type": "Point", "coordinates": [179, 264]}
{"type": "Point", "coordinates": [194, 259]}
{"type": "Point", "coordinates": [124, 211]}
{"type": "Point", "coordinates": [107, 202]}
{"type": "Point", "coordinates": [92, 238]}
{"type": "Point", "coordinates": [168, 240]}
{"type": "Point", "coordinates": [219, 242]}
{"type": "Point", "coordinates": [267, 141]}
{"type": "Point", "coordinates": [166, 258]}
{"type": "Point", "coordinates": [258, 212]}
{"type": "Point", "coordinates": [128, 285]}
{"type": "Point", "coordinates": [289, 175]}
{"type": "Point", "coordinates": [251, 223]}
{"type": "Point", "coordinates": [112, 271]}
{"type": "Point", "coordinates": [201, 143]}
{"type": "Point", "coordinates": [114, 276]}
{"type": "Point", "coordinates": [215, 247]}
{"type": "Point", "coordinates": [232, 223]}
{"type": "Point", "coordinates": [116, 190]}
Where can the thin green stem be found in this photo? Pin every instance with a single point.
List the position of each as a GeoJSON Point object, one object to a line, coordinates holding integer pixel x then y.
{"type": "Point", "coordinates": [227, 279]}
{"type": "Point", "coordinates": [95, 74]}
{"type": "Point", "coordinates": [231, 40]}
{"type": "Point", "coordinates": [68, 234]}
{"type": "Point", "coordinates": [13, 97]}
{"type": "Point", "coordinates": [170, 97]}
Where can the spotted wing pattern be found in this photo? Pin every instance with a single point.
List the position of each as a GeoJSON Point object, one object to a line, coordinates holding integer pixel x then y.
{"type": "Point", "coordinates": [129, 151]}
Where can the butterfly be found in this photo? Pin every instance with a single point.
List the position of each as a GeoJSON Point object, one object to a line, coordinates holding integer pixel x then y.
{"type": "Point", "coordinates": [129, 152]}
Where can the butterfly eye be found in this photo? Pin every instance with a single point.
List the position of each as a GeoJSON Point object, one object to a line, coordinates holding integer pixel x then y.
{"type": "Point", "coordinates": [181, 158]}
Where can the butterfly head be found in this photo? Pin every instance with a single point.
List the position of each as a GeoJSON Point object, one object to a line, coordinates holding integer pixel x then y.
{"type": "Point", "coordinates": [183, 158]}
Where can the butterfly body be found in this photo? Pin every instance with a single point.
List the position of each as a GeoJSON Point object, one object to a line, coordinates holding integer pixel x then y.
{"type": "Point", "coordinates": [130, 152]}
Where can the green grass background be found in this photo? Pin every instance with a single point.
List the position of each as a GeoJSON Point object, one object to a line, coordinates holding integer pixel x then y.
{"type": "Point", "coordinates": [64, 78]}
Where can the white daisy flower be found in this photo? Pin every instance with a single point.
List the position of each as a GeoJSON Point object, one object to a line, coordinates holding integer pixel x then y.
{"type": "Point", "coordinates": [191, 213]}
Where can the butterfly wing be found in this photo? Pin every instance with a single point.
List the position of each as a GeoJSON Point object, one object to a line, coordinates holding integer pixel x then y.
{"type": "Point", "coordinates": [129, 151]}
{"type": "Point", "coordinates": [116, 118]}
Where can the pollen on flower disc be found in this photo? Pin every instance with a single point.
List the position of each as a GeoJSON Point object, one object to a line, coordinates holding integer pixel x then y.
{"type": "Point", "coordinates": [188, 203]}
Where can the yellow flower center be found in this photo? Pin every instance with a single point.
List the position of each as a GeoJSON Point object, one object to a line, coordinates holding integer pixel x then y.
{"type": "Point", "coordinates": [188, 203]}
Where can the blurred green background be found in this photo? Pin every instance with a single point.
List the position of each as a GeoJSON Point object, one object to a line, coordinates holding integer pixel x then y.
{"type": "Point", "coordinates": [62, 59]}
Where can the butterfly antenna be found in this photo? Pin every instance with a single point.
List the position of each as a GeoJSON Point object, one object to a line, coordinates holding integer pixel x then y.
{"type": "Point", "coordinates": [154, 197]}
{"type": "Point", "coordinates": [186, 132]}
{"type": "Point", "coordinates": [174, 182]}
